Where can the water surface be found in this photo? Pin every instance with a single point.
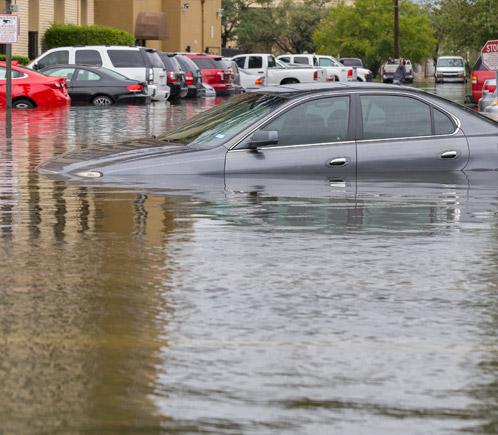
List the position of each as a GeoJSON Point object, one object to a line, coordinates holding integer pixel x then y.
{"type": "Point", "coordinates": [241, 305]}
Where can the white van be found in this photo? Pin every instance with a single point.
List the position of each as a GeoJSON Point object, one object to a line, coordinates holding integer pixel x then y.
{"type": "Point", "coordinates": [450, 69]}
{"type": "Point", "coordinates": [138, 63]}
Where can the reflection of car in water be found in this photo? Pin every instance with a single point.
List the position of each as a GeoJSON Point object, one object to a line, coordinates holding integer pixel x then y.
{"type": "Point", "coordinates": [335, 130]}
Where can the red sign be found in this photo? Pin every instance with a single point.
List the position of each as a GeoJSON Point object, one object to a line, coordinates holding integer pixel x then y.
{"type": "Point", "coordinates": [489, 55]}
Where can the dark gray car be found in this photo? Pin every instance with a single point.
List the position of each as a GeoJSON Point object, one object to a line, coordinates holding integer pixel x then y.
{"type": "Point", "coordinates": [335, 129]}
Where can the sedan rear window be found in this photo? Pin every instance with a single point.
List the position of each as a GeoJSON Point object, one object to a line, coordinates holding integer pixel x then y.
{"type": "Point", "coordinates": [218, 125]}
{"type": "Point", "coordinates": [126, 58]}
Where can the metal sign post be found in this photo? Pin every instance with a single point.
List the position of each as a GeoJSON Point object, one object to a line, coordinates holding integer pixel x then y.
{"type": "Point", "coordinates": [489, 56]}
{"type": "Point", "coordinates": [9, 30]}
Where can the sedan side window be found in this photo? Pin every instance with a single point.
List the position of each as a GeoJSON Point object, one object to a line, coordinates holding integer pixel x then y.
{"type": "Point", "coordinates": [442, 123]}
{"type": "Point", "coordinates": [15, 74]}
{"type": "Point", "coordinates": [66, 73]}
{"type": "Point", "coordinates": [56, 58]}
{"type": "Point", "coordinates": [324, 120]}
{"type": "Point", "coordinates": [391, 116]}
{"type": "Point", "coordinates": [84, 75]}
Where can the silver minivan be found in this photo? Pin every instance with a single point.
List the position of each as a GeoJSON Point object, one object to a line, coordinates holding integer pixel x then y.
{"type": "Point", "coordinates": [138, 63]}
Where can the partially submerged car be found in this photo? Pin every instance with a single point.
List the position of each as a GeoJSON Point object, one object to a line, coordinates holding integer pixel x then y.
{"type": "Point", "coordinates": [450, 69]}
{"type": "Point", "coordinates": [334, 129]}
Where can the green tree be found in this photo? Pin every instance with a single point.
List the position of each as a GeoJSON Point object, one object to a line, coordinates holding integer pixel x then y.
{"type": "Point", "coordinates": [365, 30]}
{"type": "Point", "coordinates": [463, 25]}
{"type": "Point", "coordinates": [233, 11]}
{"type": "Point", "coordinates": [287, 27]}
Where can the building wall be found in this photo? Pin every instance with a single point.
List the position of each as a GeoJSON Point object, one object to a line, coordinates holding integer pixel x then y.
{"type": "Point", "coordinates": [194, 23]}
{"type": "Point", "coordinates": [38, 15]}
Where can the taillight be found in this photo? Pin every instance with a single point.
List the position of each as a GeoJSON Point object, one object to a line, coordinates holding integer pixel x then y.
{"type": "Point", "coordinates": [350, 72]}
{"type": "Point", "coordinates": [315, 75]}
{"type": "Point", "coordinates": [474, 79]}
{"type": "Point", "coordinates": [222, 75]}
{"type": "Point", "coordinates": [259, 81]}
{"type": "Point", "coordinates": [173, 77]}
{"type": "Point", "coordinates": [57, 85]}
{"type": "Point", "coordinates": [135, 88]}
{"type": "Point", "coordinates": [189, 78]}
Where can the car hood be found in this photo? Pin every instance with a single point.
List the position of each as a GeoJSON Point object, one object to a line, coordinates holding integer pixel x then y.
{"type": "Point", "coordinates": [96, 158]}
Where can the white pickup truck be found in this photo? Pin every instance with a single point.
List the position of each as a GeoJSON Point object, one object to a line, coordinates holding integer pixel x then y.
{"type": "Point", "coordinates": [273, 72]}
{"type": "Point", "coordinates": [336, 71]}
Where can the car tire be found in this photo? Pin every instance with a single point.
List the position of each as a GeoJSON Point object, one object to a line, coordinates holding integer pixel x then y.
{"type": "Point", "coordinates": [23, 104]}
{"type": "Point", "coordinates": [102, 100]}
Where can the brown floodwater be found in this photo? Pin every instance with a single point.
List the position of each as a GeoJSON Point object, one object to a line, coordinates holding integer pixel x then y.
{"type": "Point", "coordinates": [241, 305]}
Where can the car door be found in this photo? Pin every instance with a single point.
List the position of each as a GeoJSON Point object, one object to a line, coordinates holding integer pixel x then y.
{"type": "Point", "coordinates": [315, 136]}
{"type": "Point", "coordinates": [86, 84]}
{"type": "Point", "coordinates": [402, 133]}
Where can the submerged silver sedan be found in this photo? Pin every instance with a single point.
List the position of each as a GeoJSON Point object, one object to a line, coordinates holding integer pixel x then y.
{"type": "Point", "coordinates": [335, 129]}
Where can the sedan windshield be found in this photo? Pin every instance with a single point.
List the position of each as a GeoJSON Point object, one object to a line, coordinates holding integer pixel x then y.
{"type": "Point", "coordinates": [220, 124]}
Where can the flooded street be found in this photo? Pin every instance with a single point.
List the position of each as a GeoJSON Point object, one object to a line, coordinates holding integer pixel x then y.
{"type": "Point", "coordinates": [241, 304]}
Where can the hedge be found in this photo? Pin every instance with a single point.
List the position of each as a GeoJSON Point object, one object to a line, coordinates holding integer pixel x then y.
{"type": "Point", "coordinates": [66, 35]}
{"type": "Point", "coordinates": [21, 59]}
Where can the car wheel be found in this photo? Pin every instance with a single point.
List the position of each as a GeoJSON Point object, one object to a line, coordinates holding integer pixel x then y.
{"type": "Point", "coordinates": [23, 104]}
{"type": "Point", "coordinates": [102, 100]}
{"type": "Point", "coordinates": [289, 82]}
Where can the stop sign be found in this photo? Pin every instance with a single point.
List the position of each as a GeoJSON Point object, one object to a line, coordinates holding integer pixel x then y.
{"type": "Point", "coordinates": [489, 55]}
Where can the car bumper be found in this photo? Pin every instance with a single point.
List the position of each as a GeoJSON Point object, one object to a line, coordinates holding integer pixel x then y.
{"type": "Point", "coordinates": [222, 89]}
{"type": "Point", "coordinates": [133, 99]}
{"type": "Point", "coordinates": [450, 78]}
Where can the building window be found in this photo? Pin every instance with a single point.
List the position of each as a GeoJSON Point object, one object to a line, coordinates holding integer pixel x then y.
{"type": "Point", "coordinates": [84, 12]}
{"type": "Point", "coordinates": [59, 13]}
{"type": "Point", "coordinates": [33, 45]}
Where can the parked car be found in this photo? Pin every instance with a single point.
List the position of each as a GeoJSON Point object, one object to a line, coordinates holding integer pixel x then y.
{"type": "Point", "coordinates": [450, 69]}
{"type": "Point", "coordinates": [234, 70]}
{"type": "Point", "coordinates": [175, 76]}
{"type": "Point", "coordinates": [193, 76]}
{"type": "Point", "coordinates": [31, 89]}
{"type": "Point", "coordinates": [333, 129]}
{"type": "Point", "coordinates": [98, 85]}
{"type": "Point", "coordinates": [137, 63]}
{"type": "Point", "coordinates": [276, 72]}
{"type": "Point", "coordinates": [363, 74]}
{"type": "Point", "coordinates": [478, 76]}
{"type": "Point", "coordinates": [213, 72]}
{"type": "Point", "coordinates": [390, 67]}
{"type": "Point", "coordinates": [489, 95]}
{"type": "Point", "coordinates": [335, 70]}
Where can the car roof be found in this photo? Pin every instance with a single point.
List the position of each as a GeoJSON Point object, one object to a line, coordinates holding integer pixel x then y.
{"type": "Point", "coordinates": [310, 88]}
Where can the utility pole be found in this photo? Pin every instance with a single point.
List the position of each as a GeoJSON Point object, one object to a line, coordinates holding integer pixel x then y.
{"type": "Point", "coordinates": [8, 76]}
{"type": "Point", "coordinates": [396, 29]}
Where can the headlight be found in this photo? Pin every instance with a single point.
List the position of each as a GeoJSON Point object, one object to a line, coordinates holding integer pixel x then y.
{"type": "Point", "coordinates": [89, 174]}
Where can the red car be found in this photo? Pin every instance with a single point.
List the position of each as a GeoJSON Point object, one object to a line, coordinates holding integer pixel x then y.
{"type": "Point", "coordinates": [213, 72]}
{"type": "Point", "coordinates": [479, 75]}
{"type": "Point", "coordinates": [32, 89]}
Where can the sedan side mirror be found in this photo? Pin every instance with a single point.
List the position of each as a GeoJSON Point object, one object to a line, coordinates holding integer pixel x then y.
{"type": "Point", "coordinates": [261, 138]}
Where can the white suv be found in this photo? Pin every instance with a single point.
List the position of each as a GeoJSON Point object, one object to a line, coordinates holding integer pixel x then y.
{"type": "Point", "coordinates": [138, 63]}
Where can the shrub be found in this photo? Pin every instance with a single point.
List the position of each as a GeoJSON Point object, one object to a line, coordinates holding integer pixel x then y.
{"type": "Point", "coordinates": [21, 59]}
{"type": "Point", "coordinates": [63, 35]}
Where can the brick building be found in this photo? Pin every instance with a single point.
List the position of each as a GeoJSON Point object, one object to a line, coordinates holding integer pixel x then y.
{"type": "Point", "coordinates": [37, 15]}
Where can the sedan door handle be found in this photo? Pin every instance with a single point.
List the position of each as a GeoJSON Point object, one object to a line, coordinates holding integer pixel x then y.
{"type": "Point", "coordinates": [341, 161]}
{"type": "Point", "coordinates": [449, 155]}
